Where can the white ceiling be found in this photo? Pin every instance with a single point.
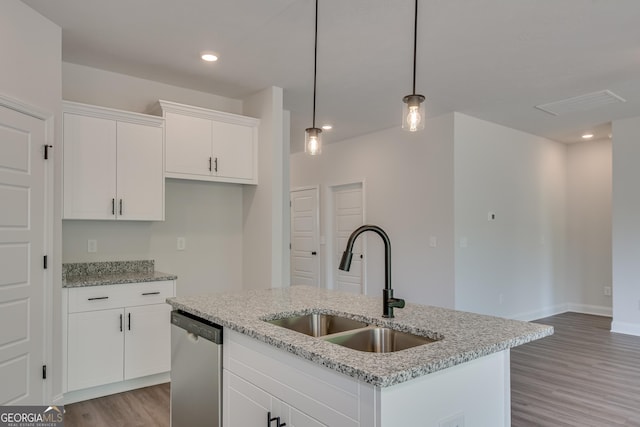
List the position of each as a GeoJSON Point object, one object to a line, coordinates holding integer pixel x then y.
{"type": "Point", "coordinates": [492, 59]}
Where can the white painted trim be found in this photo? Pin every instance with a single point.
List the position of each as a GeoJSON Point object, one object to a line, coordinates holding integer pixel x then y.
{"type": "Point", "coordinates": [118, 387]}
{"type": "Point", "coordinates": [111, 114]}
{"type": "Point", "coordinates": [597, 310]}
{"type": "Point", "coordinates": [625, 328]}
{"type": "Point", "coordinates": [24, 108]}
{"type": "Point", "coordinates": [539, 314]}
{"type": "Point", "coordinates": [205, 113]}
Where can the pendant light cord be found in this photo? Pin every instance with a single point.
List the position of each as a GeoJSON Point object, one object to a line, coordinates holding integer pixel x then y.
{"type": "Point", "coordinates": [415, 44]}
{"type": "Point", "coordinates": [315, 66]}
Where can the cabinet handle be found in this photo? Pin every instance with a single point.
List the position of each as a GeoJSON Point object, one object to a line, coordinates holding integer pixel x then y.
{"type": "Point", "coordinates": [113, 206]}
{"type": "Point", "coordinates": [151, 293]}
{"type": "Point", "coordinates": [276, 419]}
{"type": "Point", "coordinates": [209, 164]}
{"type": "Point", "coordinates": [96, 298]}
{"type": "Point", "coordinates": [129, 316]}
{"type": "Point", "coordinates": [216, 169]}
{"type": "Point", "coordinates": [121, 323]}
{"type": "Point", "coordinates": [120, 207]}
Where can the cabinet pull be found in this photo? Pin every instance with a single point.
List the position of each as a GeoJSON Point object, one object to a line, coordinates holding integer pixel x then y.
{"type": "Point", "coordinates": [151, 293]}
{"type": "Point", "coordinates": [96, 298]}
{"type": "Point", "coordinates": [129, 316]}
{"type": "Point", "coordinates": [216, 163]}
{"type": "Point", "coordinates": [121, 323]}
{"type": "Point", "coordinates": [120, 207]}
{"type": "Point", "coordinates": [113, 206]}
{"type": "Point", "coordinates": [276, 419]}
{"type": "Point", "coordinates": [209, 164]}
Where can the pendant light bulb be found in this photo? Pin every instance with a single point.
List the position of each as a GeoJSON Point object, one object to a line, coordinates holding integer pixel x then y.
{"type": "Point", "coordinates": [313, 141]}
{"type": "Point", "coordinates": [413, 113]}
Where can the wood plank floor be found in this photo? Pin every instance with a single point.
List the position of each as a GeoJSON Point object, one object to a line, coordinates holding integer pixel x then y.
{"type": "Point", "coordinates": [583, 375]}
{"type": "Point", "coordinates": [145, 407]}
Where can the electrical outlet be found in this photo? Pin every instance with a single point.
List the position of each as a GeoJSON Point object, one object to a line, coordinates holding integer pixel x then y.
{"type": "Point", "coordinates": [491, 216]}
{"type": "Point", "coordinates": [607, 291]}
{"type": "Point", "coordinates": [500, 298]}
{"type": "Point", "coordinates": [181, 244]}
{"type": "Point", "coordinates": [433, 241]}
{"type": "Point", "coordinates": [92, 246]}
{"type": "Point", "coordinates": [454, 421]}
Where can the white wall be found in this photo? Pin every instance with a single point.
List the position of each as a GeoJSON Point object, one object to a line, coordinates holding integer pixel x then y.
{"type": "Point", "coordinates": [626, 226]}
{"type": "Point", "coordinates": [589, 172]}
{"type": "Point", "coordinates": [114, 90]}
{"type": "Point", "coordinates": [209, 215]}
{"type": "Point", "coordinates": [30, 47]}
{"type": "Point", "coordinates": [512, 266]}
{"type": "Point", "coordinates": [408, 192]}
{"type": "Point", "coordinates": [264, 244]}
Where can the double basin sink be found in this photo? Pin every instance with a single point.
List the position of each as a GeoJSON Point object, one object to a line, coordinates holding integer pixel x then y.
{"type": "Point", "coordinates": [351, 333]}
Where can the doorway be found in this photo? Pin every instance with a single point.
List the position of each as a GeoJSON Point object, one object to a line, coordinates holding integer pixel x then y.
{"type": "Point", "coordinates": [24, 316]}
{"type": "Point", "coordinates": [347, 215]}
{"type": "Point", "coordinates": [305, 262]}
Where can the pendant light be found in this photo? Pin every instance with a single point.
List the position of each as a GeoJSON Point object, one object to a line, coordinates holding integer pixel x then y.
{"type": "Point", "coordinates": [413, 115]}
{"type": "Point", "coordinates": [313, 140]}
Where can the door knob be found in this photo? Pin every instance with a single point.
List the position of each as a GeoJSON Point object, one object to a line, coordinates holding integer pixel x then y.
{"type": "Point", "coordinates": [314, 253]}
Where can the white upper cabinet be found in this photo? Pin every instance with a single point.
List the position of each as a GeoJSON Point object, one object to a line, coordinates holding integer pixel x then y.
{"type": "Point", "coordinates": [210, 145]}
{"type": "Point", "coordinates": [113, 164]}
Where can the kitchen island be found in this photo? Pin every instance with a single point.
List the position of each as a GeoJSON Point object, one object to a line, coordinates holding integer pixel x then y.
{"type": "Point", "coordinates": [462, 376]}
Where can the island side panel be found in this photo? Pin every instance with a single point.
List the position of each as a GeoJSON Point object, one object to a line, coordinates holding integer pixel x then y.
{"type": "Point", "coordinates": [473, 394]}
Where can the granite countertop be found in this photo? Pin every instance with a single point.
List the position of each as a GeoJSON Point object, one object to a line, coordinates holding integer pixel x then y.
{"type": "Point", "coordinates": [111, 273]}
{"type": "Point", "coordinates": [465, 336]}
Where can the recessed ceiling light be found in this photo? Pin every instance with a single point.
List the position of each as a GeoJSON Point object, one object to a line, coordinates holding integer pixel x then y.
{"type": "Point", "coordinates": [327, 127]}
{"type": "Point", "coordinates": [209, 57]}
{"type": "Point", "coordinates": [587, 136]}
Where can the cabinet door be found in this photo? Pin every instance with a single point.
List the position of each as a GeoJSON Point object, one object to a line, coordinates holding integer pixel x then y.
{"type": "Point", "coordinates": [89, 167]}
{"type": "Point", "coordinates": [140, 177]}
{"type": "Point", "coordinates": [95, 348]}
{"type": "Point", "coordinates": [299, 419]}
{"type": "Point", "coordinates": [244, 403]}
{"type": "Point", "coordinates": [187, 144]}
{"type": "Point", "coordinates": [233, 147]}
{"type": "Point", "coordinates": [147, 340]}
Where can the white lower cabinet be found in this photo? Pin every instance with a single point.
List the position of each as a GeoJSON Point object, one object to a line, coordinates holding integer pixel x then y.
{"type": "Point", "coordinates": [248, 405]}
{"type": "Point", "coordinates": [117, 333]}
{"type": "Point", "coordinates": [259, 380]}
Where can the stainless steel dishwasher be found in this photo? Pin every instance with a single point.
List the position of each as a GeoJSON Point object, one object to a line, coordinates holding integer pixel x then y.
{"type": "Point", "coordinates": [196, 371]}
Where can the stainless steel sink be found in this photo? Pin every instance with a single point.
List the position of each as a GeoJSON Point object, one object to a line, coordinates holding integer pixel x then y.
{"type": "Point", "coordinates": [378, 340]}
{"type": "Point", "coordinates": [317, 325]}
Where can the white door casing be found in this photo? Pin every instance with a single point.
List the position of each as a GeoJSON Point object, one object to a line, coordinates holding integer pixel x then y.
{"type": "Point", "coordinates": [305, 259]}
{"type": "Point", "coordinates": [22, 247]}
{"type": "Point", "coordinates": [348, 214]}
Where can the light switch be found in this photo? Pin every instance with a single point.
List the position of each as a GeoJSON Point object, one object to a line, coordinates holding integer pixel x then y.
{"type": "Point", "coordinates": [433, 241]}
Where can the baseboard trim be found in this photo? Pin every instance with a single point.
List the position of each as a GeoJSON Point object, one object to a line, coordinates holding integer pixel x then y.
{"type": "Point", "coordinates": [597, 310]}
{"type": "Point", "coordinates": [539, 314]}
{"type": "Point", "coordinates": [113, 388]}
{"type": "Point", "coordinates": [625, 328]}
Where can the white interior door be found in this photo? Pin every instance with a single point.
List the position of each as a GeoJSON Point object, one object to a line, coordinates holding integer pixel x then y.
{"type": "Point", "coordinates": [305, 262]}
{"type": "Point", "coordinates": [348, 214]}
{"type": "Point", "coordinates": [22, 231]}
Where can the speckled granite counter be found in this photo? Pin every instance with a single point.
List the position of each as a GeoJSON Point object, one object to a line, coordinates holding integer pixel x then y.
{"type": "Point", "coordinates": [465, 336]}
{"type": "Point", "coordinates": [111, 273]}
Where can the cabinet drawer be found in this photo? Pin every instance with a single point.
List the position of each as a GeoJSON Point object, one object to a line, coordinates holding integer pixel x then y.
{"type": "Point", "coordinates": [115, 296]}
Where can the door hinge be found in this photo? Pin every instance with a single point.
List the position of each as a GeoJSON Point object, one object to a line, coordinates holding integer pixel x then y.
{"type": "Point", "coordinates": [45, 262]}
{"type": "Point", "coordinates": [44, 372]}
{"type": "Point", "coordinates": [46, 151]}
